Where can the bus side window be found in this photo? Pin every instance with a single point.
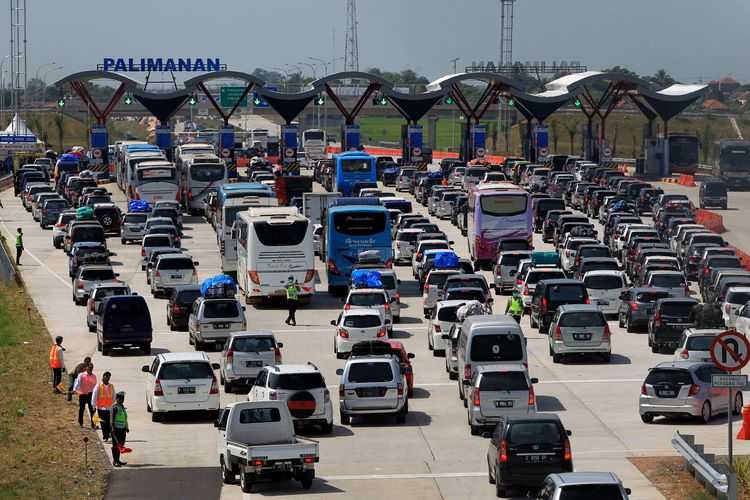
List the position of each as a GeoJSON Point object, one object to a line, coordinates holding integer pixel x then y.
{"type": "Point", "coordinates": [243, 235]}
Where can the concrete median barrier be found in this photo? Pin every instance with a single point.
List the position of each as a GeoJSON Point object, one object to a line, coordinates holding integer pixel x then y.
{"type": "Point", "coordinates": [713, 221]}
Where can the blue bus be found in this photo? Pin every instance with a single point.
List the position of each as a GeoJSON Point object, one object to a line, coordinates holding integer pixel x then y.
{"type": "Point", "coordinates": [351, 167]}
{"type": "Point", "coordinates": [351, 229]}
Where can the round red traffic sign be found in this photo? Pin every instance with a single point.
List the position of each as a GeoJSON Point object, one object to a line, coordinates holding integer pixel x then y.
{"type": "Point", "coordinates": [730, 350]}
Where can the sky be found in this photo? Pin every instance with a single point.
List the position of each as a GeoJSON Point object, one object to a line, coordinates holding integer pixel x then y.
{"type": "Point", "coordinates": [693, 40]}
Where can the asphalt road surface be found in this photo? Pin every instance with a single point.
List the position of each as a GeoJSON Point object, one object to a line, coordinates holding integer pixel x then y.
{"type": "Point", "coordinates": [432, 456]}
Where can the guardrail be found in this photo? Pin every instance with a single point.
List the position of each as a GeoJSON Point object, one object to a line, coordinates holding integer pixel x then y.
{"type": "Point", "coordinates": [718, 478]}
{"type": "Point", "coordinates": [6, 182]}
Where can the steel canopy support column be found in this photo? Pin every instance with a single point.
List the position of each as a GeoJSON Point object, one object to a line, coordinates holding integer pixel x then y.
{"type": "Point", "coordinates": [237, 104]}
{"type": "Point", "coordinates": [113, 102]}
{"type": "Point", "coordinates": [213, 102]}
{"type": "Point", "coordinates": [339, 105]}
{"type": "Point", "coordinates": [83, 93]}
{"type": "Point", "coordinates": [371, 88]}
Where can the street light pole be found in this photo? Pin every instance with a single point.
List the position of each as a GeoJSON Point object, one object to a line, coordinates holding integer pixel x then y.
{"type": "Point", "coordinates": [453, 112]}
{"type": "Point", "coordinates": [2, 87]}
{"type": "Point", "coordinates": [44, 81]}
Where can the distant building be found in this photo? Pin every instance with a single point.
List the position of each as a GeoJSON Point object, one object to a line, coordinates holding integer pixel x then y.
{"type": "Point", "coordinates": [714, 105]}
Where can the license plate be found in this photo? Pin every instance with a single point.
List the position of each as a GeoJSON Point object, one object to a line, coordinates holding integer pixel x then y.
{"type": "Point", "coordinates": [582, 336]}
{"type": "Point", "coordinates": [535, 459]}
{"type": "Point", "coordinates": [668, 394]}
{"type": "Point", "coordinates": [221, 326]}
{"type": "Point", "coordinates": [253, 364]}
{"type": "Point", "coordinates": [602, 302]}
{"type": "Point", "coordinates": [504, 404]}
{"type": "Point", "coordinates": [186, 390]}
{"type": "Point", "coordinates": [369, 393]}
{"type": "Point", "coordinates": [176, 276]}
{"type": "Point", "coordinates": [282, 466]}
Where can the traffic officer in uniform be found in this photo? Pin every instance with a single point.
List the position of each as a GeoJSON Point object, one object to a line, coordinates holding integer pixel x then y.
{"type": "Point", "coordinates": [19, 246]}
{"type": "Point", "coordinates": [515, 306]}
{"type": "Point", "coordinates": [57, 363]}
{"type": "Point", "coordinates": [292, 299]}
{"type": "Point", "coordinates": [103, 398]}
{"type": "Point", "coordinates": [119, 423]}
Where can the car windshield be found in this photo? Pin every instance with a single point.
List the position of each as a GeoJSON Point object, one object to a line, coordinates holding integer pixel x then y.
{"type": "Point", "coordinates": [367, 299]}
{"type": "Point", "coordinates": [512, 259]}
{"type": "Point", "coordinates": [287, 234]}
{"type": "Point", "coordinates": [569, 293]}
{"type": "Point", "coordinates": [603, 282]}
{"type": "Point", "coordinates": [715, 189]}
{"type": "Point", "coordinates": [135, 218]}
{"type": "Point", "coordinates": [158, 241]}
{"type": "Point", "coordinates": [649, 297]}
{"type": "Point", "coordinates": [188, 296]}
{"type": "Point", "coordinates": [725, 262]}
{"type": "Point", "coordinates": [207, 172]}
{"type": "Point", "coordinates": [466, 282]}
{"type": "Point", "coordinates": [411, 237]}
{"type": "Point", "coordinates": [90, 233]}
{"type": "Point", "coordinates": [593, 252]}
{"type": "Point", "coordinates": [582, 319]}
{"type": "Point", "coordinates": [388, 281]}
{"type": "Point", "coordinates": [462, 294]}
{"type": "Point", "coordinates": [97, 274]}
{"type": "Point", "coordinates": [220, 309]}
{"type": "Point", "coordinates": [699, 342]}
{"type": "Point", "coordinates": [448, 314]}
{"type": "Point", "coordinates": [260, 416]}
{"type": "Point", "coordinates": [437, 278]}
{"type": "Point", "coordinates": [362, 321]}
{"type": "Point", "coordinates": [185, 371]}
{"type": "Point", "coordinates": [370, 371]}
{"type": "Point", "coordinates": [362, 166]}
{"type": "Point", "coordinates": [503, 381]}
{"type": "Point", "coordinates": [660, 376]}
{"type": "Point", "coordinates": [175, 264]}
{"type": "Point", "coordinates": [295, 381]}
{"type": "Point", "coordinates": [588, 491]}
{"type": "Point", "coordinates": [667, 281]}
{"type": "Point", "coordinates": [676, 308]}
{"type": "Point", "coordinates": [253, 344]}
{"type": "Point", "coordinates": [442, 245]}
{"type": "Point", "coordinates": [536, 276]}
{"type": "Point", "coordinates": [523, 433]}
{"type": "Point", "coordinates": [496, 347]}
{"type": "Point", "coordinates": [102, 293]}
{"type": "Point", "coordinates": [738, 297]}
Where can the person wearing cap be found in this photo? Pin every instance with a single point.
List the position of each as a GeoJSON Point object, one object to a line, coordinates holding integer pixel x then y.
{"type": "Point", "coordinates": [103, 398]}
{"type": "Point", "coordinates": [80, 368]}
{"type": "Point", "coordinates": [119, 424]}
{"type": "Point", "coordinates": [84, 387]}
{"type": "Point", "coordinates": [57, 363]}
{"type": "Point", "coordinates": [292, 299]}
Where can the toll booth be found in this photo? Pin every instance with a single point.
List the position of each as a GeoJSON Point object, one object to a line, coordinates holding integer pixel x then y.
{"type": "Point", "coordinates": [540, 143]}
{"type": "Point", "coordinates": [163, 134]}
{"type": "Point", "coordinates": [478, 141]}
{"type": "Point", "coordinates": [351, 138]}
{"type": "Point", "coordinates": [411, 143]}
{"type": "Point", "coordinates": [289, 143]}
{"type": "Point", "coordinates": [99, 146]}
{"type": "Point", "coordinates": [226, 147]}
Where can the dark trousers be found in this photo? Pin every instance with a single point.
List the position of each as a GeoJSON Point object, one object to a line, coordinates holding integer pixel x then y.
{"type": "Point", "coordinates": [118, 437]}
{"type": "Point", "coordinates": [292, 306]}
{"type": "Point", "coordinates": [56, 378]}
{"type": "Point", "coordinates": [83, 401]}
{"type": "Point", "coordinates": [19, 251]}
{"type": "Point", "coordinates": [104, 416]}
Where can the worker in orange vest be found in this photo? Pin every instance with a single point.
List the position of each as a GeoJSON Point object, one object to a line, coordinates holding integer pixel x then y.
{"type": "Point", "coordinates": [103, 398]}
{"type": "Point", "coordinates": [57, 363]}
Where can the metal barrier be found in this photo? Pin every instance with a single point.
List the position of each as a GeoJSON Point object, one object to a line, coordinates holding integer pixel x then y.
{"type": "Point", "coordinates": [718, 478]}
{"type": "Point", "coordinates": [6, 182]}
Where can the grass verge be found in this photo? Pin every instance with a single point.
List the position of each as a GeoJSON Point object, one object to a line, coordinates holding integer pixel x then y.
{"type": "Point", "coordinates": [41, 445]}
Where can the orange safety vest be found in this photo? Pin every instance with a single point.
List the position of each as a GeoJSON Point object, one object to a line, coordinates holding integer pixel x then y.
{"type": "Point", "coordinates": [54, 357]}
{"type": "Point", "coordinates": [104, 396]}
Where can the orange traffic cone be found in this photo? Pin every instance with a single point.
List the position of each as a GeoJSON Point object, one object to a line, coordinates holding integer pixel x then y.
{"type": "Point", "coordinates": [744, 433]}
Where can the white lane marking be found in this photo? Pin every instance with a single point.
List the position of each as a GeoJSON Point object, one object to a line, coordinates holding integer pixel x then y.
{"type": "Point", "coordinates": [437, 475]}
{"type": "Point", "coordinates": [331, 329]}
{"type": "Point", "coordinates": [571, 381]}
{"type": "Point", "coordinates": [42, 264]}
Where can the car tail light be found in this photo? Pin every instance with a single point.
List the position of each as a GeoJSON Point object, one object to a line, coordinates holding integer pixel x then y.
{"type": "Point", "coordinates": [230, 356]}
{"type": "Point", "coordinates": [526, 290]}
{"type": "Point", "coordinates": [157, 274]}
{"type": "Point", "coordinates": [309, 460]}
{"type": "Point", "coordinates": [343, 333]}
{"type": "Point", "coordinates": [177, 196]}
{"type": "Point", "coordinates": [587, 300]}
{"type": "Point", "coordinates": [519, 282]}
{"type": "Point", "coordinates": [657, 318]}
{"type": "Point", "coordinates": [90, 304]}
{"type": "Point", "coordinates": [694, 390]}
{"type": "Point", "coordinates": [400, 389]}
{"type": "Point", "coordinates": [436, 328]}
{"type": "Point", "coordinates": [607, 332]}
{"type": "Point", "coordinates": [633, 306]}
{"type": "Point", "coordinates": [60, 225]}
{"type": "Point", "coordinates": [467, 371]}
{"type": "Point", "coordinates": [398, 297]}
{"type": "Point", "coordinates": [705, 271]}
{"type": "Point", "coordinates": [545, 304]}
{"type": "Point", "coordinates": [332, 267]}
{"type": "Point", "coordinates": [214, 386]}
{"type": "Point", "coordinates": [253, 276]}
{"type": "Point", "coordinates": [644, 391]}
{"type": "Point", "coordinates": [476, 397]}
{"type": "Point", "coordinates": [567, 454]}
{"type": "Point", "coordinates": [143, 252]}
{"type": "Point", "coordinates": [79, 285]}
{"type": "Point", "coordinates": [347, 307]}
{"type": "Point", "coordinates": [503, 451]}
{"type": "Point", "coordinates": [258, 463]}
{"type": "Point", "coordinates": [190, 195]}
{"type": "Point", "coordinates": [382, 332]}
{"type": "Point", "coordinates": [157, 388]}
{"type": "Point", "coordinates": [532, 396]}
{"type": "Point", "coordinates": [277, 355]}
{"type": "Point", "coordinates": [387, 306]}
{"type": "Point", "coordinates": [558, 333]}
{"type": "Point", "coordinates": [419, 256]}
{"type": "Point", "coordinates": [309, 275]}
{"type": "Point", "coordinates": [326, 395]}
{"type": "Point", "coordinates": [684, 354]}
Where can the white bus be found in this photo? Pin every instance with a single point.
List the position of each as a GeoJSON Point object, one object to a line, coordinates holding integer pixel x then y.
{"type": "Point", "coordinates": [314, 144]}
{"type": "Point", "coordinates": [201, 174]}
{"type": "Point", "coordinates": [224, 230]}
{"type": "Point", "coordinates": [131, 160]}
{"type": "Point", "coordinates": [156, 181]}
{"type": "Point", "coordinates": [272, 245]}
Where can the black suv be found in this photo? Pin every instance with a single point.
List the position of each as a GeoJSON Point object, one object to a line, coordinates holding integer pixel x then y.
{"type": "Point", "coordinates": [523, 450]}
{"type": "Point", "coordinates": [713, 194]}
{"type": "Point", "coordinates": [178, 307]}
{"type": "Point", "coordinates": [671, 317]}
{"type": "Point", "coordinates": [552, 293]}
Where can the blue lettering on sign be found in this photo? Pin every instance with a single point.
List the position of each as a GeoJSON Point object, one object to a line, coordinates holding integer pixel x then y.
{"type": "Point", "coordinates": [143, 64]}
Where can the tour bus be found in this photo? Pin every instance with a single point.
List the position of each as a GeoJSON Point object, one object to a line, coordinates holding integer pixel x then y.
{"type": "Point", "coordinates": [131, 161]}
{"type": "Point", "coordinates": [314, 144]}
{"type": "Point", "coordinates": [238, 190]}
{"type": "Point", "coordinates": [351, 167]}
{"type": "Point", "coordinates": [683, 153]}
{"type": "Point", "coordinates": [228, 215]}
{"type": "Point", "coordinates": [497, 212]}
{"type": "Point", "coordinates": [273, 244]}
{"type": "Point", "coordinates": [119, 160]}
{"type": "Point", "coordinates": [156, 181]}
{"type": "Point", "coordinates": [731, 162]}
{"type": "Point", "coordinates": [201, 173]}
{"type": "Point", "coordinates": [351, 229]}
{"type": "Point", "coordinates": [183, 151]}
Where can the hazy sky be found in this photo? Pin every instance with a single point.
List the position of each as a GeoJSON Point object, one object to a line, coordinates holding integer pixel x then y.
{"type": "Point", "coordinates": [691, 39]}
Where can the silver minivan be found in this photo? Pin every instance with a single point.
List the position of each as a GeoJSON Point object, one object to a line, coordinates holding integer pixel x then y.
{"type": "Point", "coordinates": [505, 269]}
{"type": "Point", "coordinates": [212, 321]}
{"type": "Point", "coordinates": [579, 329]}
{"type": "Point", "coordinates": [133, 227]}
{"type": "Point", "coordinates": [674, 281]}
{"type": "Point", "coordinates": [172, 270]}
{"type": "Point", "coordinates": [494, 393]}
{"type": "Point", "coordinates": [494, 340]}
{"type": "Point", "coordinates": [244, 355]}
{"type": "Point", "coordinates": [372, 385]}
{"type": "Point", "coordinates": [604, 289]}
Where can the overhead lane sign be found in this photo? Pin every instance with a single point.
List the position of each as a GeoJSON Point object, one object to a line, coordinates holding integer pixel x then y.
{"type": "Point", "coordinates": [179, 64]}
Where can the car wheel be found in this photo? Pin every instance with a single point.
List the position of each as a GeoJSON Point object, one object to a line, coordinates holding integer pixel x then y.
{"type": "Point", "coordinates": [534, 324]}
{"type": "Point", "coordinates": [91, 328]}
{"type": "Point", "coordinates": [500, 490]}
{"type": "Point", "coordinates": [327, 428]}
{"type": "Point", "coordinates": [227, 476]}
{"type": "Point", "coordinates": [123, 241]}
{"type": "Point", "coordinates": [246, 482]}
{"type": "Point", "coordinates": [543, 328]}
{"type": "Point", "coordinates": [401, 416]}
{"type": "Point", "coordinates": [98, 346]}
{"type": "Point", "coordinates": [156, 417]}
{"type": "Point", "coordinates": [307, 479]}
{"type": "Point", "coordinates": [551, 352]}
{"type": "Point", "coordinates": [705, 412]}
{"type": "Point", "coordinates": [607, 357]}
{"type": "Point", "coordinates": [647, 418]}
{"type": "Point", "coordinates": [345, 419]}
{"type": "Point", "coordinates": [628, 324]}
{"type": "Point", "coordinates": [147, 349]}
{"type": "Point", "coordinates": [557, 358]}
{"type": "Point", "coordinates": [228, 387]}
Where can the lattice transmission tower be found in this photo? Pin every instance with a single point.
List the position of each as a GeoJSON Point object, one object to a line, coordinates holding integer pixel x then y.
{"type": "Point", "coordinates": [351, 48]}
{"type": "Point", "coordinates": [18, 66]}
{"type": "Point", "coordinates": [505, 61]}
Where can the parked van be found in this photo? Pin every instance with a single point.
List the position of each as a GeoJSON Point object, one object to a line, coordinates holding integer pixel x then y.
{"type": "Point", "coordinates": [488, 340]}
{"type": "Point", "coordinates": [125, 322]}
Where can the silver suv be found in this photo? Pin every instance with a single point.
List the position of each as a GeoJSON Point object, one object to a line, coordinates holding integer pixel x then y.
{"type": "Point", "coordinates": [133, 227]}
{"type": "Point", "coordinates": [372, 385]}
{"type": "Point", "coordinates": [244, 355]}
{"type": "Point", "coordinates": [304, 390]}
{"type": "Point", "coordinates": [494, 393]}
{"type": "Point", "coordinates": [87, 278]}
{"type": "Point", "coordinates": [212, 321]}
{"type": "Point", "coordinates": [172, 270]}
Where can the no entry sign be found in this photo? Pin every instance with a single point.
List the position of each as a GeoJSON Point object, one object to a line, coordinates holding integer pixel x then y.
{"type": "Point", "coordinates": [730, 351]}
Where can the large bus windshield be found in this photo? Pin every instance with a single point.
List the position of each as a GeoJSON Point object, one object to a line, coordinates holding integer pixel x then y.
{"type": "Point", "coordinates": [735, 158]}
{"type": "Point", "coordinates": [314, 135]}
{"type": "Point", "coordinates": [207, 172]}
{"type": "Point", "coordinates": [503, 204]}
{"type": "Point", "coordinates": [356, 165]}
{"type": "Point", "coordinates": [360, 223]}
{"type": "Point", "coordinates": [683, 153]}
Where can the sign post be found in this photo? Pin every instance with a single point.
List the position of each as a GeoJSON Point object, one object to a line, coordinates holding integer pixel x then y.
{"type": "Point", "coordinates": [730, 351]}
{"type": "Point", "coordinates": [226, 148]}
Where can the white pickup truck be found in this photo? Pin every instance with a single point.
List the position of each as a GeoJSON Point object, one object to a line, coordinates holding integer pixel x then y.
{"type": "Point", "coordinates": [257, 440]}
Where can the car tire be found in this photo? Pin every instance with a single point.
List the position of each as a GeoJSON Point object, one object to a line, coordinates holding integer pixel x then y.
{"type": "Point", "coordinates": [557, 358]}
{"type": "Point", "coordinates": [147, 349]}
{"type": "Point", "coordinates": [533, 323]}
{"type": "Point", "coordinates": [501, 491]}
{"type": "Point", "coordinates": [401, 416]}
{"type": "Point", "coordinates": [628, 324]}
{"type": "Point", "coordinates": [429, 342]}
{"type": "Point", "coordinates": [307, 479]}
{"type": "Point", "coordinates": [607, 357]}
{"type": "Point", "coordinates": [452, 376]}
{"type": "Point", "coordinates": [543, 328]}
{"type": "Point", "coordinates": [228, 387]}
{"type": "Point", "coordinates": [227, 475]}
{"type": "Point", "coordinates": [123, 241]}
{"type": "Point", "coordinates": [345, 419]}
{"type": "Point", "coordinates": [246, 482]}
{"type": "Point", "coordinates": [92, 329]}
{"type": "Point", "coordinates": [327, 428]}
{"type": "Point", "coordinates": [620, 321]}
{"type": "Point", "coordinates": [647, 418]}
{"type": "Point", "coordinates": [156, 417]}
{"type": "Point", "coordinates": [551, 352]}
{"type": "Point", "coordinates": [98, 346]}
{"type": "Point", "coordinates": [705, 416]}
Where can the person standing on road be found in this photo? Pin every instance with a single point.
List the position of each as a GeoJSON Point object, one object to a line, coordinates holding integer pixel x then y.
{"type": "Point", "coordinates": [119, 423]}
{"type": "Point", "coordinates": [515, 306]}
{"type": "Point", "coordinates": [80, 368]}
{"type": "Point", "coordinates": [292, 299]}
{"type": "Point", "coordinates": [19, 246]}
{"type": "Point", "coordinates": [103, 398]}
{"type": "Point", "coordinates": [84, 387]}
{"type": "Point", "coordinates": [57, 364]}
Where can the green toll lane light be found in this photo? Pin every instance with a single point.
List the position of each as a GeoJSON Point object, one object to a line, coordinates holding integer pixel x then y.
{"type": "Point", "coordinates": [511, 102]}
{"type": "Point", "coordinates": [128, 100]}
{"type": "Point", "coordinates": [61, 102]}
{"type": "Point", "coordinates": [192, 100]}
{"type": "Point", "coordinates": [578, 103]}
{"type": "Point", "coordinates": [449, 100]}
{"type": "Point", "coordinates": [257, 101]}
{"type": "Point", "coordinates": [319, 101]}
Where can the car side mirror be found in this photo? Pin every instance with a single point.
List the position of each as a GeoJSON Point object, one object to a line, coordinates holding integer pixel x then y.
{"type": "Point", "coordinates": [117, 275]}
{"type": "Point", "coordinates": [339, 371]}
{"type": "Point", "coordinates": [628, 491]}
{"type": "Point", "coordinates": [534, 380]}
{"type": "Point", "coordinates": [145, 369]}
{"type": "Point", "coordinates": [196, 263]}
{"type": "Point", "coordinates": [450, 242]}
{"type": "Point", "coordinates": [333, 322]}
{"type": "Point", "coordinates": [410, 355]}
{"type": "Point", "coordinates": [215, 366]}
{"type": "Point", "coordinates": [466, 382]}
{"type": "Point", "coordinates": [280, 345]}
{"type": "Point", "coordinates": [568, 432]}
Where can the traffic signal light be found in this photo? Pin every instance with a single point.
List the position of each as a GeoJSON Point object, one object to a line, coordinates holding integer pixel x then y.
{"type": "Point", "coordinates": [379, 101]}
{"type": "Point", "coordinates": [319, 100]}
{"type": "Point", "coordinates": [257, 101]}
{"type": "Point", "coordinates": [511, 102]}
{"type": "Point", "coordinates": [61, 102]}
{"type": "Point", "coordinates": [449, 100]}
{"type": "Point", "coordinates": [192, 100]}
{"type": "Point", "coordinates": [128, 100]}
{"type": "Point", "coordinates": [577, 103]}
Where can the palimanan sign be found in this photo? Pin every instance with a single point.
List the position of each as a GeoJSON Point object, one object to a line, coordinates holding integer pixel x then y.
{"type": "Point", "coordinates": [144, 64]}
